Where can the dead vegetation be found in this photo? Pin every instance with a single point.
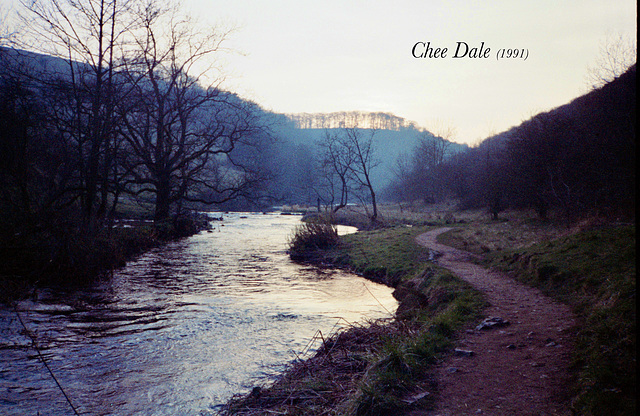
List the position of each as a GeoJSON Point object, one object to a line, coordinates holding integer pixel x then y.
{"type": "Point", "coordinates": [322, 384]}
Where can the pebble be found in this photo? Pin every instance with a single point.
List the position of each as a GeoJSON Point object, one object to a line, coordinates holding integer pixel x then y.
{"type": "Point", "coordinates": [493, 322]}
{"type": "Point", "coordinates": [464, 353]}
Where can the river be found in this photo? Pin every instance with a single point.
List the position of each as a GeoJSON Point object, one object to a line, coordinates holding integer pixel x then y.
{"type": "Point", "coordinates": [180, 329]}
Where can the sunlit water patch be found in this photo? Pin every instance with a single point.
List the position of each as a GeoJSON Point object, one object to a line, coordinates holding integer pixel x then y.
{"type": "Point", "coordinates": [181, 328]}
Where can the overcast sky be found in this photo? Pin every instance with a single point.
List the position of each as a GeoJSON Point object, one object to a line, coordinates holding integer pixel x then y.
{"type": "Point", "coordinates": [343, 55]}
{"type": "Point", "coordinates": [339, 55]}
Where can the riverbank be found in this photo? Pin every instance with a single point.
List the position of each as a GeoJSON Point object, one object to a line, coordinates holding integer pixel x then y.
{"type": "Point", "coordinates": [384, 367]}
{"type": "Point", "coordinates": [181, 327]}
{"type": "Point", "coordinates": [64, 255]}
{"type": "Point", "coordinates": [388, 368]}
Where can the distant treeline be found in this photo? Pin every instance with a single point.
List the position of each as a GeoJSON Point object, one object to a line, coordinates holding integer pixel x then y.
{"type": "Point", "coordinates": [578, 159]}
{"type": "Point", "coordinates": [351, 119]}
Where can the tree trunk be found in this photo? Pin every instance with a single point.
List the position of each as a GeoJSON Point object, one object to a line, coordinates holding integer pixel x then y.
{"type": "Point", "coordinates": [163, 200]}
{"type": "Point", "coordinates": [374, 217]}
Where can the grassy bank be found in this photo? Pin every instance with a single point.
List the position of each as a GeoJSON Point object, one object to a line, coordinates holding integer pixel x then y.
{"type": "Point", "coordinates": [382, 368]}
{"type": "Point", "coordinates": [390, 215]}
{"type": "Point", "coordinates": [590, 267]}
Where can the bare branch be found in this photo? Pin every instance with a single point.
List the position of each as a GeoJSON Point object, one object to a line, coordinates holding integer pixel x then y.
{"type": "Point", "coordinates": [617, 54]}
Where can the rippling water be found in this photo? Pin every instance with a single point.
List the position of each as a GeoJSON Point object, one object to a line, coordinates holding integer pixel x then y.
{"type": "Point", "coordinates": [180, 329]}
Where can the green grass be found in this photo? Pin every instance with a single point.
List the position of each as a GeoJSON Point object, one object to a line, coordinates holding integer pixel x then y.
{"type": "Point", "coordinates": [511, 231]}
{"type": "Point", "coordinates": [387, 255]}
{"type": "Point", "coordinates": [378, 369]}
{"type": "Point", "coordinates": [594, 272]}
{"type": "Point", "coordinates": [590, 268]}
{"type": "Point", "coordinates": [433, 309]}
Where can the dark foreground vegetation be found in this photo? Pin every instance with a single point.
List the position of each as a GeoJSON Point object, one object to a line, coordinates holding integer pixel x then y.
{"type": "Point", "coordinates": [62, 253]}
{"type": "Point", "coordinates": [383, 368]}
{"type": "Point", "coordinates": [100, 108]}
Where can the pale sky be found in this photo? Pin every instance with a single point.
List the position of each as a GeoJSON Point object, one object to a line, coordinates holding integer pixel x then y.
{"type": "Point", "coordinates": [342, 55]}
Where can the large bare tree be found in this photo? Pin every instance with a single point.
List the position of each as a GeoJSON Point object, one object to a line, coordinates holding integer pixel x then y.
{"type": "Point", "coordinates": [361, 146]}
{"type": "Point", "coordinates": [88, 36]}
{"type": "Point", "coordinates": [182, 128]}
{"type": "Point", "coordinates": [349, 154]}
{"type": "Point", "coordinates": [336, 161]}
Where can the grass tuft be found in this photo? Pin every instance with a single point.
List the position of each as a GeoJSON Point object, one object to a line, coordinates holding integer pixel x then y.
{"type": "Point", "coordinates": [309, 237]}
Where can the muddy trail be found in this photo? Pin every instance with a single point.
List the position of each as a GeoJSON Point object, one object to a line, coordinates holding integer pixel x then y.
{"type": "Point", "coordinates": [514, 364]}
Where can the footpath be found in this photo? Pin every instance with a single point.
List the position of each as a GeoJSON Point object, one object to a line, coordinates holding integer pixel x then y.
{"type": "Point", "coordinates": [516, 362]}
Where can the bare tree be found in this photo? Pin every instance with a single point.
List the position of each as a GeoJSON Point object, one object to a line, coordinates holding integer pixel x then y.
{"type": "Point", "coordinates": [88, 35]}
{"type": "Point", "coordinates": [348, 156]}
{"type": "Point", "coordinates": [428, 157]}
{"type": "Point", "coordinates": [617, 54]}
{"type": "Point", "coordinates": [182, 131]}
{"type": "Point", "coordinates": [337, 161]}
{"type": "Point", "coordinates": [420, 175]}
{"type": "Point", "coordinates": [361, 148]}
{"type": "Point", "coordinates": [399, 189]}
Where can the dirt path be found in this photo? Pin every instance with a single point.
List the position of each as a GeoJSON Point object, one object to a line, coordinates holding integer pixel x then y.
{"type": "Point", "coordinates": [518, 369]}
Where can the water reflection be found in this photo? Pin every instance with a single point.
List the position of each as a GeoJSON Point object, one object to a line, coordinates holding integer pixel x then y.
{"type": "Point", "coordinates": [181, 328]}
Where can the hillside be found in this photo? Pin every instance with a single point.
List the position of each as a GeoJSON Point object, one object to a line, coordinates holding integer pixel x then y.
{"type": "Point", "coordinates": [573, 161]}
{"type": "Point", "coordinates": [288, 153]}
{"type": "Point", "coordinates": [398, 140]}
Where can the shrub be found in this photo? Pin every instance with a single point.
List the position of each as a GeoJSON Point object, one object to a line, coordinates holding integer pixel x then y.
{"type": "Point", "coordinates": [311, 236]}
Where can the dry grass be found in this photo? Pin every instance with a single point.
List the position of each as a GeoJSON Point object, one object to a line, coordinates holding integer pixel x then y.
{"type": "Point", "coordinates": [398, 214]}
{"type": "Point", "coordinates": [379, 369]}
{"type": "Point", "coordinates": [322, 384]}
{"type": "Point", "coordinates": [311, 236]}
{"type": "Point", "coordinates": [513, 230]}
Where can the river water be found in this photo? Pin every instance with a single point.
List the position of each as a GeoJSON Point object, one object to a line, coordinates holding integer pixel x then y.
{"type": "Point", "coordinates": [180, 329]}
